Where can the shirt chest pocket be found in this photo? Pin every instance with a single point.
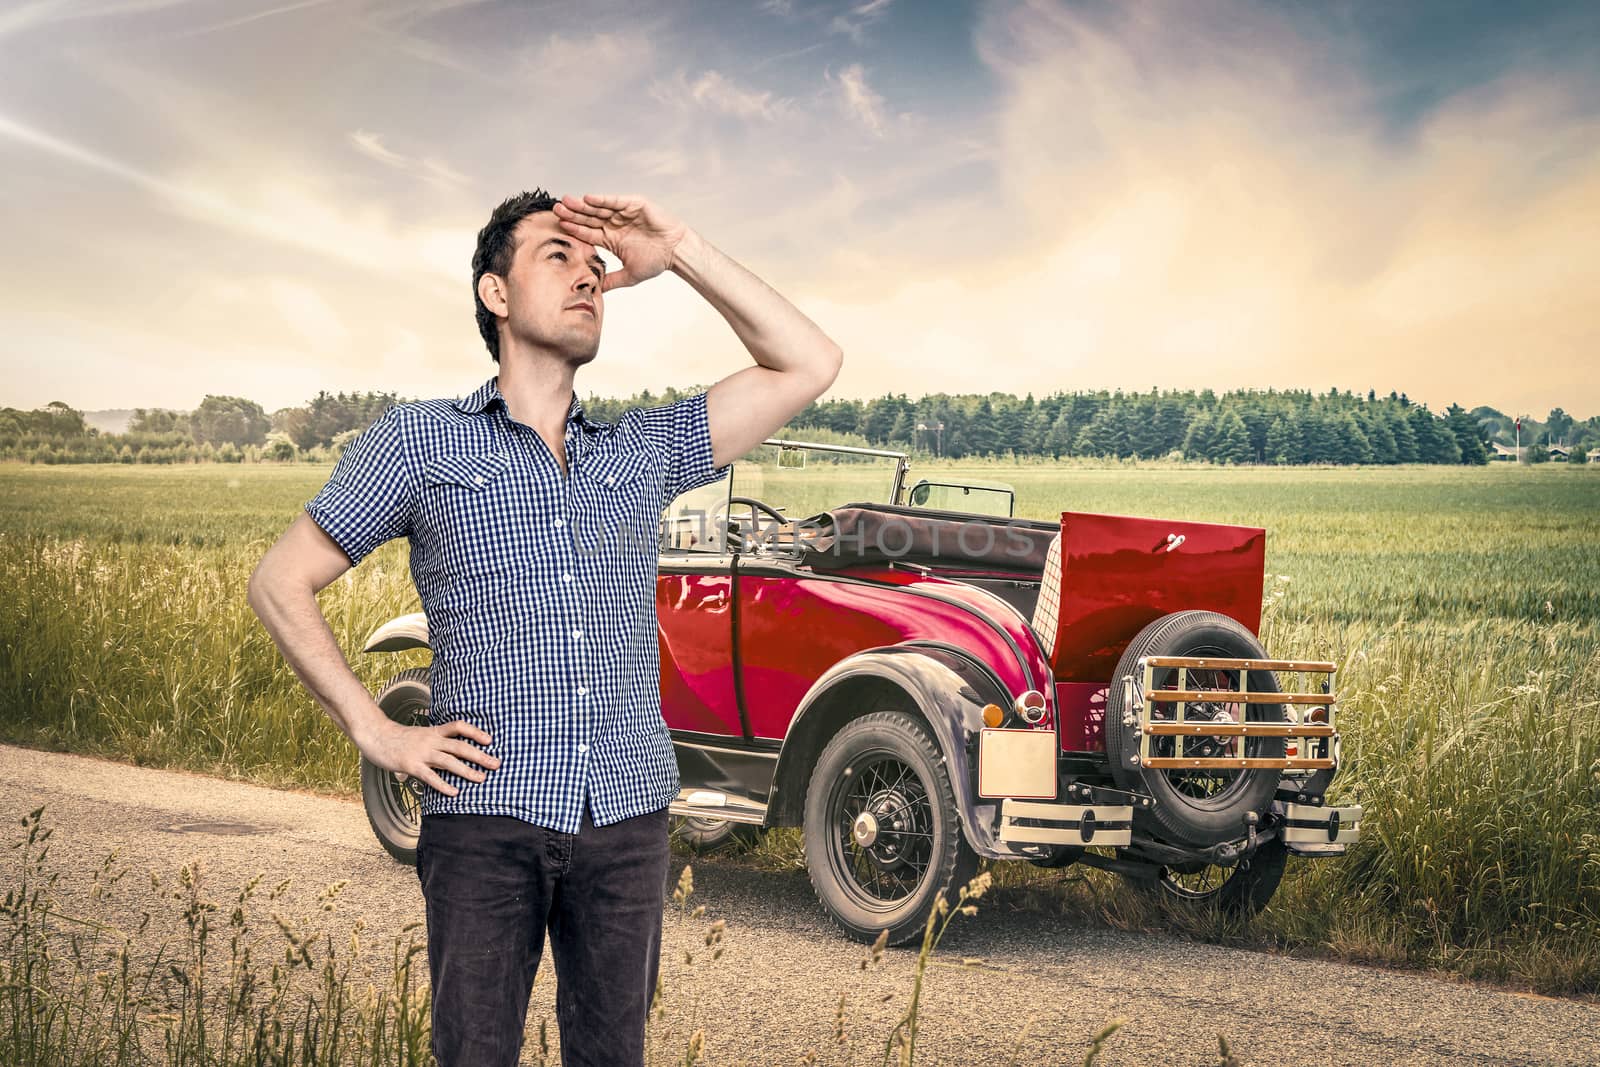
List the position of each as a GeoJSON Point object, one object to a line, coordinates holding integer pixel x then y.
{"type": "Point", "coordinates": [617, 499]}
{"type": "Point", "coordinates": [481, 515]}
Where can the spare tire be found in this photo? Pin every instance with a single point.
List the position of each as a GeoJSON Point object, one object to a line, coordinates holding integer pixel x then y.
{"type": "Point", "coordinates": [1205, 806]}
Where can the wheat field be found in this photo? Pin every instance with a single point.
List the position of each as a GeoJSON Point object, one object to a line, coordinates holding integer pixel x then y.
{"type": "Point", "coordinates": [1462, 605]}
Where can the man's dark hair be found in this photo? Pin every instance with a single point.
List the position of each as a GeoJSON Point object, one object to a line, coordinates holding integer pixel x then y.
{"type": "Point", "coordinates": [495, 248]}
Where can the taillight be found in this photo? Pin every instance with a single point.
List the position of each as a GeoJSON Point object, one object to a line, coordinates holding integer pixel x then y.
{"type": "Point", "coordinates": [1030, 707]}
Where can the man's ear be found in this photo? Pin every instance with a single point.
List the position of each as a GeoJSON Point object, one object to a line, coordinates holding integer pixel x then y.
{"type": "Point", "coordinates": [491, 290]}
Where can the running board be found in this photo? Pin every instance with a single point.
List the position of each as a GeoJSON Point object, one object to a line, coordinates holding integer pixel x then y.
{"type": "Point", "coordinates": [709, 804]}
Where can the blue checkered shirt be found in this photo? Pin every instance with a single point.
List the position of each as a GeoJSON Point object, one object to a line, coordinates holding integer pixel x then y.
{"type": "Point", "coordinates": [539, 589]}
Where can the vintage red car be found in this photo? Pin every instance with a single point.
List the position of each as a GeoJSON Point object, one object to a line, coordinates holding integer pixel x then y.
{"type": "Point", "coordinates": [920, 679]}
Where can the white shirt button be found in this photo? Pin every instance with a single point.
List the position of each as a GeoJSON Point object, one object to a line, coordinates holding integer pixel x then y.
{"type": "Point", "coordinates": [582, 747]}
{"type": "Point", "coordinates": [561, 522]}
{"type": "Point", "coordinates": [477, 479]}
{"type": "Point", "coordinates": [577, 634]}
{"type": "Point", "coordinates": [583, 690]}
{"type": "Point", "coordinates": [611, 480]}
{"type": "Point", "coordinates": [566, 577]}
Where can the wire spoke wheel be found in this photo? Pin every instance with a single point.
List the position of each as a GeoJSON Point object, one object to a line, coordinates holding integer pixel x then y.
{"type": "Point", "coordinates": [1239, 891]}
{"type": "Point", "coordinates": [1210, 783]}
{"type": "Point", "coordinates": [883, 831]}
{"type": "Point", "coordinates": [393, 801]}
{"type": "Point", "coordinates": [883, 835]}
{"type": "Point", "coordinates": [703, 834]}
{"type": "Point", "coordinates": [1193, 806]}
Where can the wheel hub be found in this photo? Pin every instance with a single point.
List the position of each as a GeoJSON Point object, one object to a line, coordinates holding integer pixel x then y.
{"type": "Point", "coordinates": [876, 828]}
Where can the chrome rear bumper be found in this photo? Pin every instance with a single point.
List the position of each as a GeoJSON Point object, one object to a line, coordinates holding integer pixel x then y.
{"type": "Point", "coordinates": [1029, 822]}
{"type": "Point", "coordinates": [1310, 830]}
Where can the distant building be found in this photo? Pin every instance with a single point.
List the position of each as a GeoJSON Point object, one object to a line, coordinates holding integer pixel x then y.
{"type": "Point", "coordinates": [1502, 452]}
{"type": "Point", "coordinates": [1559, 453]}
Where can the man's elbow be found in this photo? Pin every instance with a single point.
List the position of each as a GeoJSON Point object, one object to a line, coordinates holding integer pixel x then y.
{"type": "Point", "coordinates": [828, 365]}
{"type": "Point", "coordinates": [257, 590]}
{"type": "Point", "coordinates": [270, 586]}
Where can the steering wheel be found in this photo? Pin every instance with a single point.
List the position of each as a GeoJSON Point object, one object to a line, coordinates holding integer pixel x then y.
{"type": "Point", "coordinates": [755, 506]}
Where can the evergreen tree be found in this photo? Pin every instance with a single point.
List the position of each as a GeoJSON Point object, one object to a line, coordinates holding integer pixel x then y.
{"type": "Point", "coordinates": [1468, 435]}
{"type": "Point", "coordinates": [901, 432]}
{"type": "Point", "coordinates": [1376, 427]}
{"type": "Point", "coordinates": [1321, 439]}
{"type": "Point", "coordinates": [1405, 439]}
{"type": "Point", "coordinates": [1232, 441]}
{"type": "Point", "coordinates": [1200, 441]}
{"type": "Point", "coordinates": [1282, 445]}
{"type": "Point", "coordinates": [1060, 440]}
{"type": "Point", "coordinates": [1435, 442]}
{"type": "Point", "coordinates": [1352, 444]}
{"type": "Point", "coordinates": [982, 436]}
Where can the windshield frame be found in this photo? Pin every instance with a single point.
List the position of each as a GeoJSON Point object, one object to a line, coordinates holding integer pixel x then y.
{"type": "Point", "coordinates": [902, 459]}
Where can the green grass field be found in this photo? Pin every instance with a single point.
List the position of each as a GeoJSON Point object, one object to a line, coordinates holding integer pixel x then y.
{"type": "Point", "coordinates": [1463, 606]}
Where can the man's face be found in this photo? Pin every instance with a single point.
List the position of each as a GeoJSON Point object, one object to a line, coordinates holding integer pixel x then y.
{"type": "Point", "coordinates": [551, 296]}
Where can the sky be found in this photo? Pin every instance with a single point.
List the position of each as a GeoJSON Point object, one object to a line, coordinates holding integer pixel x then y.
{"type": "Point", "coordinates": [266, 199]}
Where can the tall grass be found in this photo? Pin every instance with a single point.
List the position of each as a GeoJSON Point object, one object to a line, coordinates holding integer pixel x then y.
{"type": "Point", "coordinates": [1462, 605]}
{"type": "Point", "coordinates": [78, 991]}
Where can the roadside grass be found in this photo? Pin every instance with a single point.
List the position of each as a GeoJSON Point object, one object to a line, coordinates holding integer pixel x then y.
{"type": "Point", "coordinates": [234, 989]}
{"type": "Point", "coordinates": [1463, 607]}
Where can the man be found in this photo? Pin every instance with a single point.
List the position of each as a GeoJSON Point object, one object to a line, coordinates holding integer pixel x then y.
{"type": "Point", "coordinates": [548, 768]}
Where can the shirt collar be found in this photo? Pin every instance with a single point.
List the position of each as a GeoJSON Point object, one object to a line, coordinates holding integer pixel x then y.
{"type": "Point", "coordinates": [489, 392]}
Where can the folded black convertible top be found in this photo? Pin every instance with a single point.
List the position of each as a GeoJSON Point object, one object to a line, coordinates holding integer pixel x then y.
{"type": "Point", "coordinates": [856, 534]}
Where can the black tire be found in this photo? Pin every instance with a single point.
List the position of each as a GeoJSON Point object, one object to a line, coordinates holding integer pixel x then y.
{"type": "Point", "coordinates": [1199, 807]}
{"type": "Point", "coordinates": [394, 801]}
{"type": "Point", "coordinates": [1238, 892]}
{"type": "Point", "coordinates": [705, 835]}
{"type": "Point", "coordinates": [886, 766]}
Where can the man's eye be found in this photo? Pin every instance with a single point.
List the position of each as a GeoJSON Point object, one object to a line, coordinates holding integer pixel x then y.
{"type": "Point", "coordinates": [553, 255]}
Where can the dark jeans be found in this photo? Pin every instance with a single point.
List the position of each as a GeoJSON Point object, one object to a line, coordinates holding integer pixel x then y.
{"type": "Point", "coordinates": [492, 883]}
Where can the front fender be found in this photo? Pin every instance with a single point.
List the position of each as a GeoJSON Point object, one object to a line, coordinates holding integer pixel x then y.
{"type": "Point", "coordinates": [943, 684]}
{"type": "Point", "coordinates": [397, 635]}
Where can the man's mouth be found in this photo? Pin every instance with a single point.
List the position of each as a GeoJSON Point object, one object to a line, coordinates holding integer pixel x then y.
{"type": "Point", "coordinates": [582, 307]}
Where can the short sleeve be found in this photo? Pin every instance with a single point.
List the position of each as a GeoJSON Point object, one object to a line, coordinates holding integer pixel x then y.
{"type": "Point", "coordinates": [682, 432]}
{"type": "Point", "coordinates": [370, 497]}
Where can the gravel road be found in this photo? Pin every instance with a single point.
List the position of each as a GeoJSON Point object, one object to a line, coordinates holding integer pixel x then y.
{"type": "Point", "coordinates": [773, 994]}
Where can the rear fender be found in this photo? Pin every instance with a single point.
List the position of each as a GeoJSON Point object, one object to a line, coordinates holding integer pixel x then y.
{"type": "Point", "coordinates": [399, 634]}
{"type": "Point", "coordinates": [939, 683]}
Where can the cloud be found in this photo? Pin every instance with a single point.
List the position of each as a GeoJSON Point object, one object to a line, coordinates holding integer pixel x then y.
{"type": "Point", "coordinates": [1211, 201]}
{"type": "Point", "coordinates": [1207, 193]}
{"type": "Point", "coordinates": [44, 12]}
{"type": "Point", "coordinates": [581, 66]}
{"type": "Point", "coordinates": [371, 146]}
{"type": "Point", "coordinates": [659, 162]}
{"type": "Point", "coordinates": [275, 212]}
{"type": "Point", "coordinates": [715, 92]}
{"type": "Point", "coordinates": [429, 169]}
{"type": "Point", "coordinates": [854, 22]}
{"type": "Point", "coordinates": [858, 98]}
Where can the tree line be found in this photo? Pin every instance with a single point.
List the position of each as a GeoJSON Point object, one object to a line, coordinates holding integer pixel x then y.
{"type": "Point", "coordinates": [1236, 427]}
{"type": "Point", "coordinates": [225, 429]}
{"type": "Point", "coordinates": [1241, 426]}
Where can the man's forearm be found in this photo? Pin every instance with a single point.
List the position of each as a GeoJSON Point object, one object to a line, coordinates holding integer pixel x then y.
{"type": "Point", "coordinates": [777, 334]}
{"type": "Point", "coordinates": [302, 634]}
